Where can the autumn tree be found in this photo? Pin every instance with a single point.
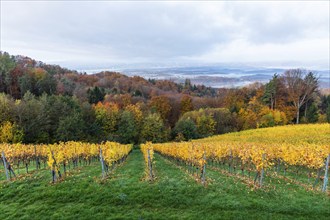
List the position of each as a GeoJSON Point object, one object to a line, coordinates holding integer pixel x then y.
{"type": "Point", "coordinates": [10, 133]}
{"type": "Point", "coordinates": [107, 116]}
{"type": "Point", "coordinates": [137, 114]}
{"type": "Point", "coordinates": [161, 105]}
{"type": "Point", "coordinates": [186, 104]}
{"type": "Point", "coordinates": [300, 86]}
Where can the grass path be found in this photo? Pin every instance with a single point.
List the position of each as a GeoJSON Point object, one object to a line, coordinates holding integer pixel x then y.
{"type": "Point", "coordinates": [173, 195]}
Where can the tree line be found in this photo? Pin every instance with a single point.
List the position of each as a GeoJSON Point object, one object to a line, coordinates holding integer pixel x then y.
{"type": "Point", "coordinates": [41, 103]}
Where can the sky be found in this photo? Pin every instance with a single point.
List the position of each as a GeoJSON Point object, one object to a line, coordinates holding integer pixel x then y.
{"type": "Point", "coordinates": [82, 34]}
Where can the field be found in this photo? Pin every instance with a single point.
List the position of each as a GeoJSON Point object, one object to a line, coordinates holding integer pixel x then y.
{"type": "Point", "coordinates": [175, 192]}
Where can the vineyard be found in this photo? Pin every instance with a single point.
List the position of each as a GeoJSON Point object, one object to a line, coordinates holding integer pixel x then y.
{"type": "Point", "coordinates": [302, 149]}
{"type": "Point", "coordinates": [62, 156]}
{"type": "Point", "coordinates": [279, 172]}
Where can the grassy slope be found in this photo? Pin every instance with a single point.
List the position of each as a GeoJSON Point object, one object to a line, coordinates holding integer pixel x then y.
{"type": "Point", "coordinates": [174, 195]}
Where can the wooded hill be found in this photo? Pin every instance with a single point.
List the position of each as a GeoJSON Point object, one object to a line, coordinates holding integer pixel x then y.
{"type": "Point", "coordinates": [42, 103]}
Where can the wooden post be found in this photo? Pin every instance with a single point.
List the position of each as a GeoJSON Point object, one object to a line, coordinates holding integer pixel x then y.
{"type": "Point", "coordinates": [317, 178]}
{"type": "Point", "coordinates": [5, 165]}
{"type": "Point", "coordinates": [102, 163]}
{"type": "Point", "coordinates": [150, 166]}
{"type": "Point", "coordinates": [53, 168]}
{"type": "Point", "coordinates": [26, 167]}
{"type": "Point", "coordinates": [204, 169]}
{"type": "Point", "coordinates": [325, 180]}
{"type": "Point", "coordinates": [262, 170]}
{"type": "Point", "coordinates": [230, 161]}
{"type": "Point", "coordinates": [37, 160]}
{"type": "Point", "coordinates": [256, 177]}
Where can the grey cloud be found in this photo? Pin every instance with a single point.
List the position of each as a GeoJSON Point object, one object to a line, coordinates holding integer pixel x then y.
{"type": "Point", "coordinates": [281, 22]}
{"type": "Point", "coordinates": [150, 31]}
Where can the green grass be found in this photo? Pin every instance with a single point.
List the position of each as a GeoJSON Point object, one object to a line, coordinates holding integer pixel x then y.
{"type": "Point", "coordinates": [173, 195]}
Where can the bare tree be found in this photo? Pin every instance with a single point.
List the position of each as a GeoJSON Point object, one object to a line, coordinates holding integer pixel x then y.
{"type": "Point", "coordinates": [300, 86]}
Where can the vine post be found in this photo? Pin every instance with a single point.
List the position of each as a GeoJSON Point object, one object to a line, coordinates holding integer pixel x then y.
{"type": "Point", "coordinates": [204, 169]}
{"type": "Point", "coordinates": [150, 165]}
{"type": "Point", "coordinates": [5, 165]}
{"type": "Point", "coordinates": [102, 163]}
{"type": "Point", "coordinates": [325, 181]}
{"type": "Point", "coordinates": [262, 171]}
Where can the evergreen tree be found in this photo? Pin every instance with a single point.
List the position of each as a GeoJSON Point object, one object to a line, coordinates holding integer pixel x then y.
{"type": "Point", "coordinates": [95, 95]}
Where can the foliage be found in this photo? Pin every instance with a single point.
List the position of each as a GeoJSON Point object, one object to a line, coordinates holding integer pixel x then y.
{"type": "Point", "coordinates": [161, 105]}
{"type": "Point", "coordinates": [95, 95]}
{"type": "Point", "coordinates": [173, 194]}
{"type": "Point", "coordinates": [127, 128]}
{"type": "Point", "coordinates": [37, 97]}
{"type": "Point", "coordinates": [153, 129]}
{"type": "Point", "coordinates": [300, 86]}
{"type": "Point", "coordinates": [107, 116]}
{"type": "Point", "coordinates": [186, 128]}
{"type": "Point", "coordinates": [70, 128]}
{"type": "Point", "coordinates": [205, 125]}
{"type": "Point", "coordinates": [186, 104]}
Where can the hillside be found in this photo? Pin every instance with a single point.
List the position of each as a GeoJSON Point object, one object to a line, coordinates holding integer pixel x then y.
{"type": "Point", "coordinates": [43, 103]}
{"type": "Point", "coordinates": [174, 195]}
{"type": "Point", "coordinates": [176, 191]}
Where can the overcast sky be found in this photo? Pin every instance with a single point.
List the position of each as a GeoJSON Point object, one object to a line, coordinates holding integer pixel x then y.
{"type": "Point", "coordinates": [84, 33]}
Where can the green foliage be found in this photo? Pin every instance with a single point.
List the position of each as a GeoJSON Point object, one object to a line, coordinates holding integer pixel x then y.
{"type": "Point", "coordinates": [187, 128]}
{"type": "Point", "coordinates": [47, 84]}
{"type": "Point", "coordinates": [95, 95]}
{"type": "Point", "coordinates": [205, 125]}
{"type": "Point", "coordinates": [37, 81]}
{"type": "Point", "coordinates": [127, 128]}
{"type": "Point", "coordinates": [312, 114]}
{"type": "Point", "coordinates": [266, 121]}
{"type": "Point", "coordinates": [70, 127]}
{"type": "Point", "coordinates": [31, 119]}
{"type": "Point", "coordinates": [6, 108]}
{"type": "Point", "coordinates": [211, 121]}
{"type": "Point", "coordinates": [26, 84]}
{"type": "Point", "coordinates": [328, 114]}
{"type": "Point", "coordinates": [271, 88]}
{"type": "Point", "coordinates": [153, 129]}
{"type": "Point", "coordinates": [325, 107]}
{"type": "Point", "coordinates": [92, 130]}
{"type": "Point", "coordinates": [7, 64]}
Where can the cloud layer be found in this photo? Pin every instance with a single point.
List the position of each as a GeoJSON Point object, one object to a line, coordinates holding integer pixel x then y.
{"type": "Point", "coordinates": [81, 33]}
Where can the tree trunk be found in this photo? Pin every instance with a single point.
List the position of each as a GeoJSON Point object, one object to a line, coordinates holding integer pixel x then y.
{"type": "Point", "coordinates": [297, 120]}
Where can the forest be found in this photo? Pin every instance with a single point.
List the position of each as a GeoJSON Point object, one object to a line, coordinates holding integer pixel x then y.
{"type": "Point", "coordinates": [42, 103]}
